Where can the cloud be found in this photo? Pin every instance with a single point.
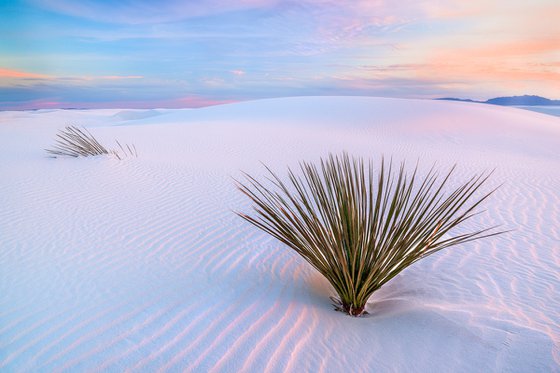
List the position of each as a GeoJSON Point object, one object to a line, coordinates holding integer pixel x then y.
{"type": "Point", "coordinates": [505, 61]}
{"type": "Point", "coordinates": [221, 49]}
{"type": "Point", "coordinates": [199, 101]}
{"type": "Point", "coordinates": [56, 95]}
{"type": "Point", "coordinates": [147, 11]}
{"type": "Point", "coordinates": [512, 48]}
{"type": "Point", "coordinates": [115, 77]}
{"type": "Point", "coordinates": [17, 74]}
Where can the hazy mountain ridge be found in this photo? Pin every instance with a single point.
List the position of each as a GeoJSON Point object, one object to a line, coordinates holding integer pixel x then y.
{"type": "Point", "coordinates": [525, 100]}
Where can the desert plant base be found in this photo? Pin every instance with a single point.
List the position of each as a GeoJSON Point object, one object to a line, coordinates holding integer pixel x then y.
{"type": "Point", "coordinates": [359, 231]}
{"type": "Point", "coordinates": [348, 308]}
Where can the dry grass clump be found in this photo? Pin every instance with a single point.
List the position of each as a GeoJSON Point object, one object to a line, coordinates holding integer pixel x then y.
{"type": "Point", "coordinates": [78, 142]}
{"type": "Point", "coordinates": [359, 230]}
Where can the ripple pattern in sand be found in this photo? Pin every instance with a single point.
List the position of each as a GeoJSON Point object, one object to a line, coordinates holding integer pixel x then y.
{"type": "Point", "coordinates": [141, 266]}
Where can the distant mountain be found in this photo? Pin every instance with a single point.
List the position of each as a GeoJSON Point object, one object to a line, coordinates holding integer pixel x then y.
{"type": "Point", "coordinates": [525, 100]}
{"type": "Point", "coordinates": [457, 99]}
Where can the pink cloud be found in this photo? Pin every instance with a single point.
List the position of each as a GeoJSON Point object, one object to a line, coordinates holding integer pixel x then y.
{"type": "Point", "coordinates": [35, 104]}
{"type": "Point", "coordinates": [238, 72]}
{"type": "Point", "coordinates": [198, 101]}
{"type": "Point", "coordinates": [9, 73]}
{"type": "Point", "coordinates": [180, 103]}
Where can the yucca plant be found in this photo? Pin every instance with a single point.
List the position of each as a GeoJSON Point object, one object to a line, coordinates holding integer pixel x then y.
{"type": "Point", "coordinates": [78, 142]}
{"type": "Point", "coordinates": [360, 230]}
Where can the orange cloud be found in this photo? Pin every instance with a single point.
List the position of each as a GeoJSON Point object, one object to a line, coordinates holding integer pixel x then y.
{"type": "Point", "coordinates": [517, 48]}
{"type": "Point", "coordinates": [499, 61]}
{"type": "Point", "coordinates": [16, 74]}
{"type": "Point", "coordinates": [9, 73]}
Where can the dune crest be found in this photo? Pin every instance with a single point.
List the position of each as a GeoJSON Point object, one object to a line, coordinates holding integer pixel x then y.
{"type": "Point", "coordinates": [141, 264]}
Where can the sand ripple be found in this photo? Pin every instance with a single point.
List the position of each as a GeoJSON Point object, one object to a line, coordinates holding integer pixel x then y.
{"type": "Point", "coordinates": [141, 265]}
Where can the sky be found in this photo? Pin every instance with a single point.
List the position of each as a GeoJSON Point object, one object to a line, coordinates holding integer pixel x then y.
{"type": "Point", "coordinates": [194, 53]}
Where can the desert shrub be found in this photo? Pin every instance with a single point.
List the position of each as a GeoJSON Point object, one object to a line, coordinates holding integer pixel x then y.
{"type": "Point", "coordinates": [78, 142]}
{"type": "Point", "coordinates": [359, 230]}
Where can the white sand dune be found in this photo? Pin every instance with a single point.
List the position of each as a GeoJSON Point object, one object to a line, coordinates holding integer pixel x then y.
{"type": "Point", "coordinates": [140, 264]}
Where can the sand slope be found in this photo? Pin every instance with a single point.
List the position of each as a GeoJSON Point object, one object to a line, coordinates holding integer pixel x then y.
{"type": "Point", "coordinates": [140, 264]}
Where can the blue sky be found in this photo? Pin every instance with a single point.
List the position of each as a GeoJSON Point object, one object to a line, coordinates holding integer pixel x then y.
{"type": "Point", "coordinates": [95, 54]}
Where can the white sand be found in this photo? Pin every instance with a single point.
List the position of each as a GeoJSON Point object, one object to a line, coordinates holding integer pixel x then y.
{"type": "Point", "coordinates": [141, 264]}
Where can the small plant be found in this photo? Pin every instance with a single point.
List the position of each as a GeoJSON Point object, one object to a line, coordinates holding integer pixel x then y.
{"type": "Point", "coordinates": [75, 142]}
{"type": "Point", "coordinates": [360, 231]}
